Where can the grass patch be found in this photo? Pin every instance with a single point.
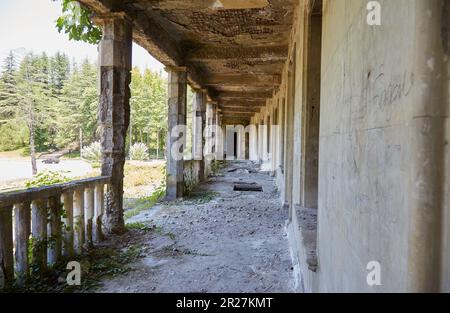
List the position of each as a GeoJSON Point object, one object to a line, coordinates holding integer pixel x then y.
{"type": "Point", "coordinates": [138, 226]}
{"type": "Point", "coordinates": [140, 175]}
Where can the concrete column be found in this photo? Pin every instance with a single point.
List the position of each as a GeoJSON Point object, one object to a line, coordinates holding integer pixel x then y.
{"type": "Point", "coordinates": [115, 77]}
{"type": "Point", "coordinates": [240, 153]}
{"type": "Point", "coordinates": [427, 261]}
{"type": "Point", "coordinates": [176, 139]}
{"type": "Point", "coordinates": [218, 135]}
{"type": "Point", "coordinates": [199, 115]}
{"type": "Point", "coordinates": [253, 144]}
{"type": "Point", "coordinates": [209, 125]}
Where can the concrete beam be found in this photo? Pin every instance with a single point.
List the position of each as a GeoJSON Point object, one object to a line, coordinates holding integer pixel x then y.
{"type": "Point", "coordinates": [243, 79]}
{"type": "Point", "coordinates": [263, 53]}
{"type": "Point", "coordinates": [253, 103]}
{"type": "Point", "coordinates": [231, 95]}
{"type": "Point", "coordinates": [228, 109]}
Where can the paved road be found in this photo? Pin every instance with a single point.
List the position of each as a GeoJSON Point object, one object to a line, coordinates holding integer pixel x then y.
{"type": "Point", "coordinates": [15, 169]}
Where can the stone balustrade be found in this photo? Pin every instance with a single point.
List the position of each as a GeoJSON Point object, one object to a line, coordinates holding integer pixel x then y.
{"type": "Point", "coordinates": [40, 226]}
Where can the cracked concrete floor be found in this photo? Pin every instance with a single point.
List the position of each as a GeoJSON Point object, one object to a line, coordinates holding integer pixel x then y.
{"type": "Point", "coordinates": [227, 242]}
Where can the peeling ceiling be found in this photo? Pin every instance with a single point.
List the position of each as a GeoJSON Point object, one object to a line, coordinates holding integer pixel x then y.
{"type": "Point", "coordinates": [229, 46]}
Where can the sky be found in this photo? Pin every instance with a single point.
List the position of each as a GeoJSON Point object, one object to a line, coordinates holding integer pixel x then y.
{"type": "Point", "coordinates": [29, 25]}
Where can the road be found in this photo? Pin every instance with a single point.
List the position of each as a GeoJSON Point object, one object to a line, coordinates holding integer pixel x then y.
{"type": "Point", "coordinates": [16, 169]}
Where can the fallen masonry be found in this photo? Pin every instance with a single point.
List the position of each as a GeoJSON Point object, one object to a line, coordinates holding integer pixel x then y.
{"type": "Point", "coordinates": [247, 187]}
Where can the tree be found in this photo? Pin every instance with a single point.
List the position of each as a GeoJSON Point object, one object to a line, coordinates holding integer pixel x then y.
{"type": "Point", "coordinates": [59, 72]}
{"type": "Point", "coordinates": [30, 96]}
{"type": "Point", "coordinates": [8, 87]}
{"type": "Point", "coordinates": [78, 106]}
{"type": "Point", "coordinates": [148, 103]}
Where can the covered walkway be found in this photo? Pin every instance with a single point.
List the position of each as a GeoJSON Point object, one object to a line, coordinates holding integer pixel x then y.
{"type": "Point", "coordinates": [217, 240]}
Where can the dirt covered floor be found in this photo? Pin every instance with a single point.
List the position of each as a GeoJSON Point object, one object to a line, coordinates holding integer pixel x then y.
{"type": "Point", "coordinates": [217, 240]}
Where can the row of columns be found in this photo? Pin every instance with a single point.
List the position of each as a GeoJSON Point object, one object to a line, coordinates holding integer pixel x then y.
{"type": "Point", "coordinates": [115, 54]}
{"type": "Point", "coordinates": [206, 143]}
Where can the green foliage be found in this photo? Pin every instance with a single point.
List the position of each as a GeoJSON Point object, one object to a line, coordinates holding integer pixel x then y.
{"type": "Point", "coordinates": [148, 120]}
{"type": "Point", "coordinates": [46, 178]}
{"type": "Point", "coordinates": [78, 106]}
{"type": "Point", "coordinates": [75, 21]}
{"type": "Point", "coordinates": [54, 102]}
{"type": "Point", "coordinates": [137, 226]}
{"type": "Point", "coordinates": [93, 152]}
{"type": "Point", "coordinates": [139, 152]}
{"type": "Point", "coordinates": [217, 165]}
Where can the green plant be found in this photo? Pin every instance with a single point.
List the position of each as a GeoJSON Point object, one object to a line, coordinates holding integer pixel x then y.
{"type": "Point", "coordinates": [202, 196]}
{"type": "Point", "coordinates": [93, 152]}
{"type": "Point", "coordinates": [46, 178]}
{"type": "Point", "coordinates": [216, 165]}
{"type": "Point", "coordinates": [139, 152]}
{"type": "Point", "coordinates": [76, 22]}
{"type": "Point", "coordinates": [137, 226]}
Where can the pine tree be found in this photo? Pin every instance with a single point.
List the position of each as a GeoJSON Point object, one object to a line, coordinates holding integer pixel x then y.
{"type": "Point", "coordinates": [8, 88]}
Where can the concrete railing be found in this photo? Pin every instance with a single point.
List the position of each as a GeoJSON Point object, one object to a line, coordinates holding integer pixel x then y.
{"type": "Point", "coordinates": [50, 222]}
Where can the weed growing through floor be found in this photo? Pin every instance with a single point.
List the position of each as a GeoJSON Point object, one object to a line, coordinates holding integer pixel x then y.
{"type": "Point", "coordinates": [138, 226]}
{"type": "Point", "coordinates": [217, 165]}
{"type": "Point", "coordinates": [144, 227]}
{"type": "Point", "coordinates": [202, 196]}
{"type": "Point", "coordinates": [159, 230]}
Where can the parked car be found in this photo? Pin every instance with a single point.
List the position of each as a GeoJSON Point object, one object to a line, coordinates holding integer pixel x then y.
{"type": "Point", "coordinates": [51, 161]}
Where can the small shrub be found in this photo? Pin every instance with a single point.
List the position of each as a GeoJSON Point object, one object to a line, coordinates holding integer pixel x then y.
{"type": "Point", "coordinates": [93, 152]}
{"type": "Point", "coordinates": [46, 178]}
{"type": "Point", "coordinates": [139, 152]}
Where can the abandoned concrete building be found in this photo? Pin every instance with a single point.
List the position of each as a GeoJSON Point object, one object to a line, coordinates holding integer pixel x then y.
{"type": "Point", "coordinates": [356, 127]}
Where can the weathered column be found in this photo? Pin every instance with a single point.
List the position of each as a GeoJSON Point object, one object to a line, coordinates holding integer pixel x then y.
{"type": "Point", "coordinates": [115, 78]}
{"type": "Point", "coordinates": [199, 124]}
{"type": "Point", "coordinates": [54, 230]}
{"type": "Point", "coordinates": [22, 230]}
{"type": "Point", "coordinates": [176, 139]}
{"type": "Point", "coordinates": [214, 129]}
{"type": "Point", "coordinates": [209, 133]}
{"type": "Point", "coordinates": [240, 144]}
{"type": "Point", "coordinates": [78, 220]}
{"type": "Point", "coordinates": [67, 200]}
{"type": "Point", "coordinates": [428, 259]}
{"type": "Point", "coordinates": [89, 214]}
{"type": "Point", "coordinates": [253, 145]}
{"type": "Point", "coordinates": [98, 212]}
{"type": "Point", "coordinates": [218, 135]}
{"type": "Point", "coordinates": [6, 247]}
{"type": "Point", "coordinates": [39, 234]}
{"type": "Point", "coordinates": [209, 129]}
